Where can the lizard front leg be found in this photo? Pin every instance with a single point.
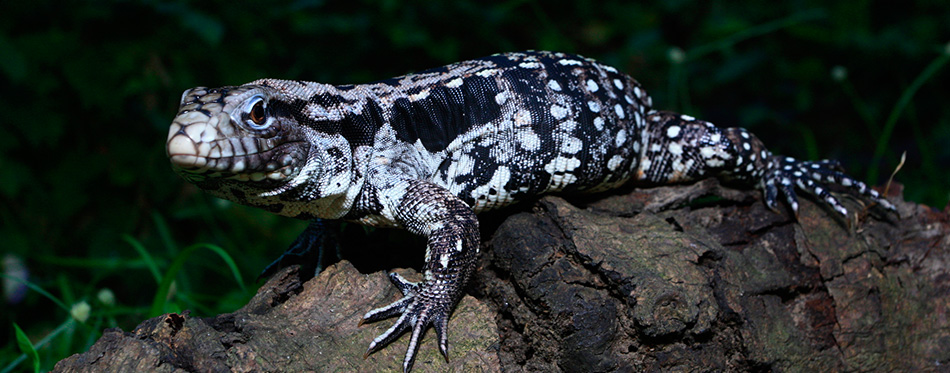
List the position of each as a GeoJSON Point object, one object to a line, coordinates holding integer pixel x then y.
{"type": "Point", "coordinates": [452, 235]}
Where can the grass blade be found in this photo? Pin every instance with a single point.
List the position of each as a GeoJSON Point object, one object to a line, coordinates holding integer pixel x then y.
{"type": "Point", "coordinates": [904, 100]}
{"type": "Point", "coordinates": [149, 261]}
{"type": "Point", "coordinates": [27, 347]}
{"type": "Point", "coordinates": [158, 302]}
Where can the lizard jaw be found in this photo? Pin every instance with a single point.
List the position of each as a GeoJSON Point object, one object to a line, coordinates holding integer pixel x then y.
{"type": "Point", "coordinates": [199, 149]}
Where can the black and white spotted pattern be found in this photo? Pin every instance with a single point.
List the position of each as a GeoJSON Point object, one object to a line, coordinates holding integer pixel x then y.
{"type": "Point", "coordinates": [428, 151]}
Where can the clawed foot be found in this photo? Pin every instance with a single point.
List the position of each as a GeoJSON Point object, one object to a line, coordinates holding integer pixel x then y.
{"type": "Point", "coordinates": [785, 173]}
{"type": "Point", "coordinates": [309, 249]}
{"type": "Point", "coordinates": [417, 309]}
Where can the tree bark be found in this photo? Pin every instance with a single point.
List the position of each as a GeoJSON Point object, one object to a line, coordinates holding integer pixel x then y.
{"type": "Point", "coordinates": [690, 278]}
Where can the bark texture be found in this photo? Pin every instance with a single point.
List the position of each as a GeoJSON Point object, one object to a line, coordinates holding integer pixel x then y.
{"type": "Point", "coordinates": [685, 278]}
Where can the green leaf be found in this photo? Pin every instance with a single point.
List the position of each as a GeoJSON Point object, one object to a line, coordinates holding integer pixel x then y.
{"type": "Point", "coordinates": [27, 347]}
{"type": "Point", "coordinates": [158, 302]}
{"type": "Point", "coordinates": [149, 261]}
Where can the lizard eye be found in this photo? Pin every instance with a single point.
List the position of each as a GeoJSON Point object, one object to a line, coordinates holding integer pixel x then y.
{"type": "Point", "coordinates": [255, 111]}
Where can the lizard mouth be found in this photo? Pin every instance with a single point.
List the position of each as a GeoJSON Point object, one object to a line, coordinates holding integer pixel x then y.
{"type": "Point", "coordinates": [275, 165]}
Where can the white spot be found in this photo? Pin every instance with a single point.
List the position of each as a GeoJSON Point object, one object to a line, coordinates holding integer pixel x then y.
{"type": "Point", "coordinates": [497, 183]}
{"type": "Point", "coordinates": [562, 164]}
{"type": "Point", "coordinates": [458, 245]}
{"type": "Point", "coordinates": [614, 162]}
{"type": "Point", "coordinates": [618, 84]}
{"type": "Point", "coordinates": [528, 140]}
{"type": "Point", "coordinates": [675, 148]}
{"type": "Point", "coordinates": [594, 106]}
{"type": "Point", "coordinates": [714, 138]}
{"type": "Point", "coordinates": [645, 166]}
{"type": "Point", "coordinates": [619, 110]}
{"type": "Point", "coordinates": [419, 96]}
{"type": "Point", "coordinates": [744, 134]}
{"type": "Point", "coordinates": [558, 111]}
{"type": "Point", "coordinates": [816, 176]}
{"type": "Point", "coordinates": [655, 148]}
{"type": "Point", "coordinates": [629, 99]}
{"type": "Point", "coordinates": [678, 166]}
{"type": "Point", "coordinates": [572, 145]}
{"type": "Point", "coordinates": [466, 165]}
{"type": "Point", "coordinates": [522, 118]}
{"type": "Point", "coordinates": [560, 168]}
{"type": "Point", "coordinates": [567, 62]}
{"type": "Point", "coordinates": [487, 73]}
{"type": "Point", "coordinates": [707, 152]}
{"type": "Point", "coordinates": [609, 68]}
{"type": "Point", "coordinates": [567, 126]}
{"type": "Point", "coordinates": [746, 146]}
{"type": "Point", "coordinates": [715, 163]}
{"type": "Point", "coordinates": [637, 91]}
{"type": "Point", "coordinates": [444, 260]}
{"type": "Point", "coordinates": [530, 65]}
{"type": "Point", "coordinates": [560, 181]}
{"type": "Point", "coordinates": [592, 85]}
{"type": "Point", "coordinates": [846, 182]}
{"type": "Point", "coordinates": [621, 138]}
{"type": "Point", "coordinates": [673, 131]}
{"type": "Point", "coordinates": [454, 83]}
{"type": "Point", "coordinates": [501, 97]}
{"type": "Point", "coordinates": [553, 85]}
{"type": "Point", "coordinates": [687, 118]}
{"type": "Point", "coordinates": [599, 123]}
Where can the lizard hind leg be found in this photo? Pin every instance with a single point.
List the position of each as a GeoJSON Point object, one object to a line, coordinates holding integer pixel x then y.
{"type": "Point", "coordinates": [681, 148]}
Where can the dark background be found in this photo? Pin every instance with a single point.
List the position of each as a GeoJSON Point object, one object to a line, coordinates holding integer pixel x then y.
{"type": "Point", "coordinates": [88, 89]}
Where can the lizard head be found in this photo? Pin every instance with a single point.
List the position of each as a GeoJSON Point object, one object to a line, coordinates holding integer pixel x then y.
{"type": "Point", "coordinates": [246, 144]}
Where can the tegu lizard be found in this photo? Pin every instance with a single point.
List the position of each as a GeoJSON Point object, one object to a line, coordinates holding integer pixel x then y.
{"type": "Point", "coordinates": [426, 152]}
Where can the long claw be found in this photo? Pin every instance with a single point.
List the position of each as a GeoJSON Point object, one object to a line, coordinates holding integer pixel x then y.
{"type": "Point", "coordinates": [441, 325]}
{"type": "Point", "coordinates": [811, 177]}
{"type": "Point", "coordinates": [389, 335]}
{"type": "Point", "coordinates": [413, 348]}
{"type": "Point", "coordinates": [387, 311]}
{"type": "Point", "coordinates": [417, 310]}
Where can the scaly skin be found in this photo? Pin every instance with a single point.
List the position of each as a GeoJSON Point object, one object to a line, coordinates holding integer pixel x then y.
{"type": "Point", "coordinates": [426, 152]}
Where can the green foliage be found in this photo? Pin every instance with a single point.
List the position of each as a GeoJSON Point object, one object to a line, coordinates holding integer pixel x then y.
{"type": "Point", "coordinates": [27, 347]}
{"type": "Point", "coordinates": [89, 205]}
